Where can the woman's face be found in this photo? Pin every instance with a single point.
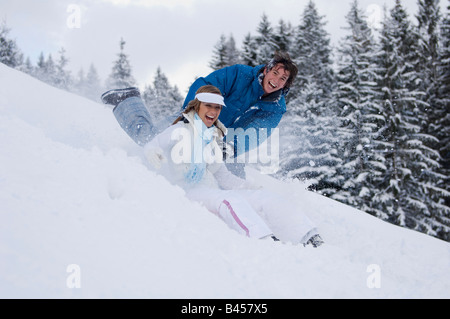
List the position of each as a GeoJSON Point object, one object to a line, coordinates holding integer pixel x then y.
{"type": "Point", "coordinates": [209, 113]}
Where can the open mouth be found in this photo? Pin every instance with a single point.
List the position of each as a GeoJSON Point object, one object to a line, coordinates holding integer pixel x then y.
{"type": "Point", "coordinates": [210, 118]}
{"type": "Point", "coordinates": [273, 86]}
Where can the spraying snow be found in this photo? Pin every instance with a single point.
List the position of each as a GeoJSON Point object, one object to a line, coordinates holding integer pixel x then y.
{"type": "Point", "coordinates": [83, 216]}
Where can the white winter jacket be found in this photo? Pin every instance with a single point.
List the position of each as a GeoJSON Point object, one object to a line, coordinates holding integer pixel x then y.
{"type": "Point", "coordinates": [172, 149]}
{"type": "Point", "coordinates": [255, 213]}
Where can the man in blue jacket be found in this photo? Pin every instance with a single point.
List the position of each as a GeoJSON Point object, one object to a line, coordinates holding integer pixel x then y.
{"type": "Point", "coordinates": [254, 98]}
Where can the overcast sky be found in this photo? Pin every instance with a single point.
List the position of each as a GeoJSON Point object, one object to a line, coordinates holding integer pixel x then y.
{"type": "Point", "coordinates": [177, 35]}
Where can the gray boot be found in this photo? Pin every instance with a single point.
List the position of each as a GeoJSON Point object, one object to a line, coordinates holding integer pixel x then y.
{"type": "Point", "coordinates": [114, 97]}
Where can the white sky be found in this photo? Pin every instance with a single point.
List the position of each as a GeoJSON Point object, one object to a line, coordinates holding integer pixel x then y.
{"type": "Point", "coordinates": [177, 35]}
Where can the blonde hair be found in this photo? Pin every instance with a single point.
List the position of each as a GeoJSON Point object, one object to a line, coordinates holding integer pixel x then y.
{"type": "Point", "coordinates": [195, 104]}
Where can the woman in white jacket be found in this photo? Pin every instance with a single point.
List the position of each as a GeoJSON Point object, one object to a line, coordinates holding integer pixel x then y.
{"type": "Point", "coordinates": [190, 154]}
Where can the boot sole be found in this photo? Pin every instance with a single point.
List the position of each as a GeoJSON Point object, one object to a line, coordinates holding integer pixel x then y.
{"type": "Point", "coordinates": [122, 92]}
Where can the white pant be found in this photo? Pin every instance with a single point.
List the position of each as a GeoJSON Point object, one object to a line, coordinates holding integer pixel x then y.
{"type": "Point", "coordinates": [257, 213]}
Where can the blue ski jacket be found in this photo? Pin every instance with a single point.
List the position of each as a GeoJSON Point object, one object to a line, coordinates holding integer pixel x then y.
{"type": "Point", "coordinates": [246, 108]}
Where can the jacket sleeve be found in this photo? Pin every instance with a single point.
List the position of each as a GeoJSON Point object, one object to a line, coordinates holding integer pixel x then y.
{"type": "Point", "coordinates": [255, 129]}
{"type": "Point", "coordinates": [163, 141]}
{"type": "Point", "coordinates": [224, 79]}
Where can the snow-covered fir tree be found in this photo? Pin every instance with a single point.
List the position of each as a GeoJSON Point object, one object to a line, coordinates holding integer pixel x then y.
{"type": "Point", "coordinates": [10, 53]}
{"type": "Point", "coordinates": [219, 58]}
{"type": "Point", "coordinates": [89, 85]}
{"type": "Point", "coordinates": [249, 51]}
{"type": "Point", "coordinates": [311, 52]}
{"type": "Point", "coordinates": [308, 138]}
{"type": "Point", "coordinates": [405, 188]}
{"type": "Point", "coordinates": [79, 83]}
{"type": "Point", "coordinates": [94, 87]}
{"type": "Point", "coordinates": [311, 115]}
{"type": "Point", "coordinates": [233, 54]}
{"type": "Point", "coordinates": [62, 78]}
{"type": "Point", "coordinates": [161, 98]}
{"type": "Point", "coordinates": [225, 53]}
{"type": "Point", "coordinates": [433, 110]}
{"type": "Point", "coordinates": [121, 76]}
{"type": "Point", "coordinates": [443, 101]}
{"type": "Point", "coordinates": [283, 36]}
{"type": "Point", "coordinates": [393, 67]}
{"type": "Point", "coordinates": [428, 18]}
{"type": "Point", "coordinates": [27, 67]}
{"type": "Point", "coordinates": [46, 69]}
{"type": "Point", "coordinates": [359, 109]}
{"type": "Point", "coordinates": [50, 71]}
{"type": "Point", "coordinates": [265, 41]}
{"type": "Point", "coordinates": [39, 70]}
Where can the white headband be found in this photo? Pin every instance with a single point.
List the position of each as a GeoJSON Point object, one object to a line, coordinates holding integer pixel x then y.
{"type": "Point", "coordinates": [210, 98]}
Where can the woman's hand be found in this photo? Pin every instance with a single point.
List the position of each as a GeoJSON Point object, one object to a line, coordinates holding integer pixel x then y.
{"type": "Point", "coordinates": [155, 156]}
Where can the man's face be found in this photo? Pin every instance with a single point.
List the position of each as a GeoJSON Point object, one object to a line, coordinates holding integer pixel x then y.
{"type": "Point", "coordinates": [275, 79]}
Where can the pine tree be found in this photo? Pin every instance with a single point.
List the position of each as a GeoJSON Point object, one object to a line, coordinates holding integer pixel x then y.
{"type": "Point", "coordinates": [357, 102]}
{"type": "Point", "coordinates": [311, 114]}
{"type": "Point", "coordinates": [428, 48]}
{"type": "Point", "coordinates": [249, 51]}
{"type": "Point", "coordinates": [89, 85]}
{"type": "Point", "coordinates": [79, 83]}
{"type": "Point", "coordinates": [224, 53]}
{"type": "Point", "coordinates": [162, 99]}
{"type": "Point", "coordinates": [265, 41]}
{"type": "Point", "coordinates": [47, 70]}
{"type": "Point", "coordinates": [62, 77]}
{"type": "Point", "coordinates": [283, 36]}
{"type": "Point", "coordinates": [219, 59]}
{"type": "Point", "coordinates": [27, 67]}
{"type": "Point", "coordinates": [313, 156]}
{"type": "Point", "coordinates": [9, 51]}
{"type": "Point", "coordinates": [443, 102]}
{"type": "Point", "coordinates": [93, 84]}
{"type": "Point", "coordinates": [233, 54]}
{"type": "Point", "coordinates": [121, 76]}
{"type": "Point", "coordinates": [432, 109]}
{"type": "Point", "coordinates": [427, 63]}
{"type": "Point", "coordinates": [312, 53]}
{"type": "Point", "coordinates": [39, 70]}
{"type": "Point", "coordinates": [404, 191]}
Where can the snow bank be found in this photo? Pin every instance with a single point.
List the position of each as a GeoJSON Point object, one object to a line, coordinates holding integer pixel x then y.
{"type": "Point", "coordinates": [83, 216]}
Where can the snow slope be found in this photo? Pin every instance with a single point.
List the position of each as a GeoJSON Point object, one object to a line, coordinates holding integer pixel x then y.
{"type": "Point", "coordinates": [75, 191]}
